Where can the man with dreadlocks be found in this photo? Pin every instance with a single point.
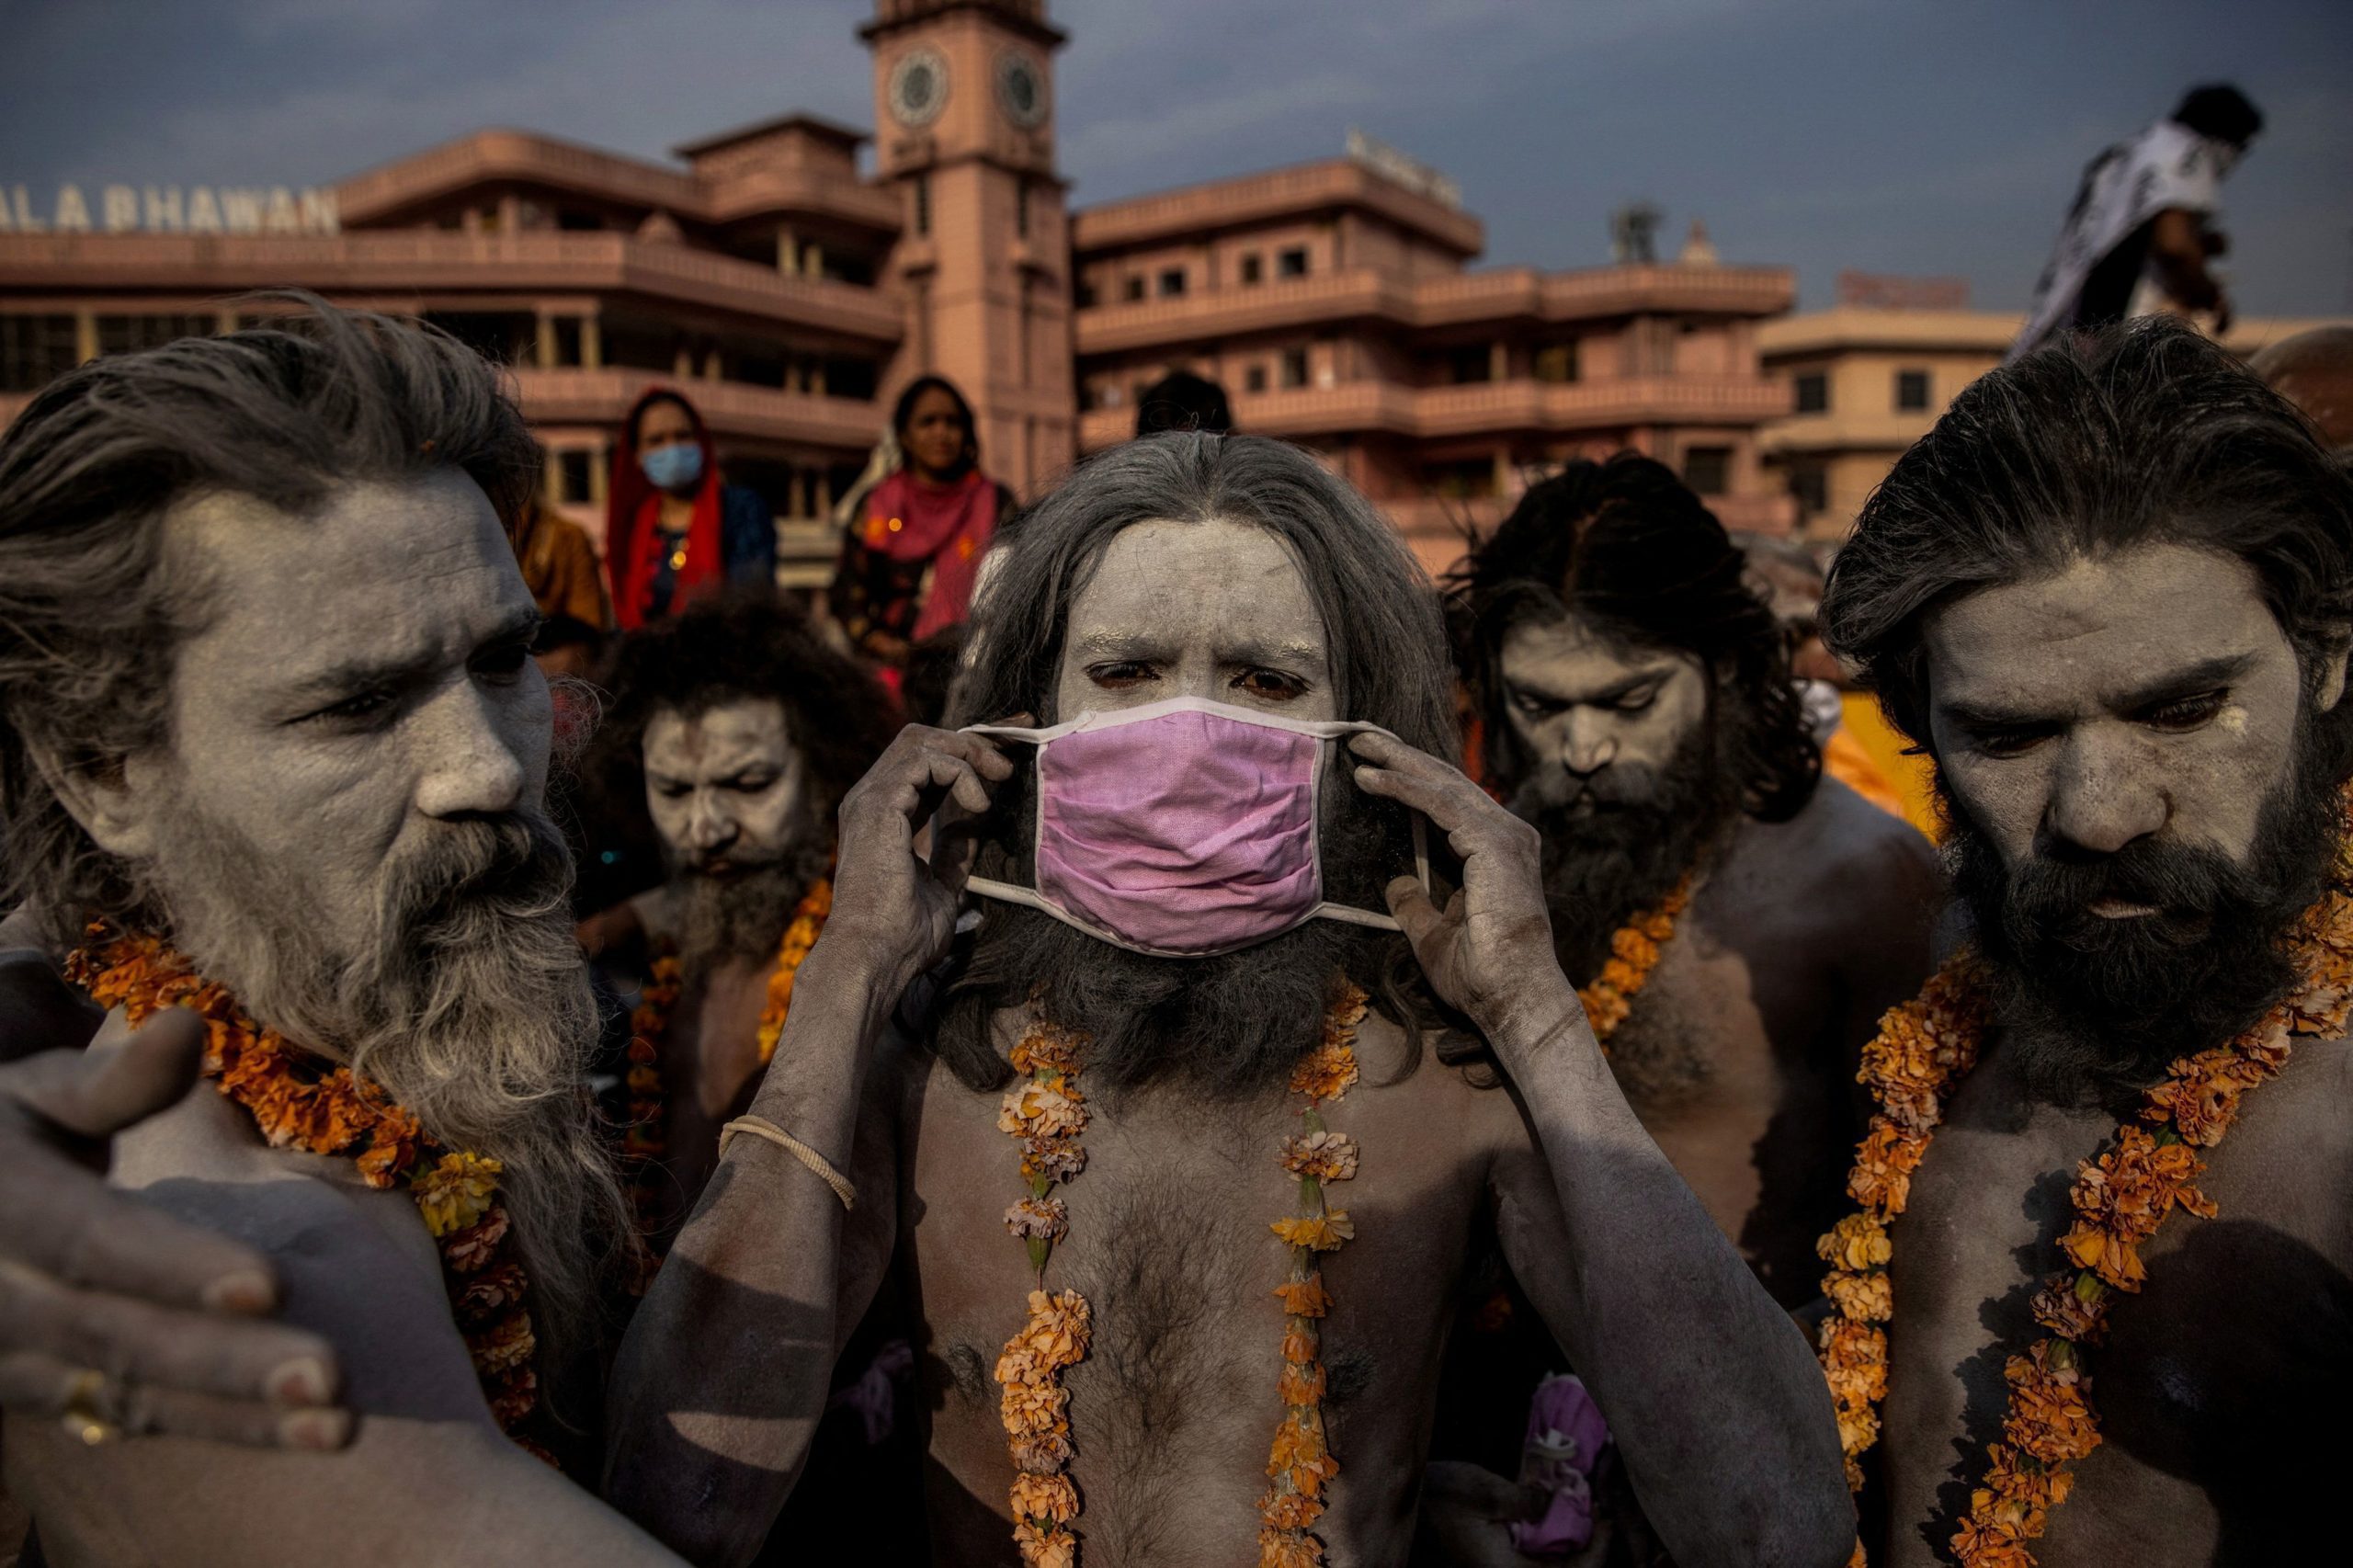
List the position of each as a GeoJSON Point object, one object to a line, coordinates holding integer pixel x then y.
{"type": "Point", "coordinates": [1735, 921]}
{"type": "Point", "coordinates": [734, 731]}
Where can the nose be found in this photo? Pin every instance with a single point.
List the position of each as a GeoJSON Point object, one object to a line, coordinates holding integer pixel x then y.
{"type": "Point", "coordinates": [709, 829]}
{"type": "Point", "coordinates": [1588, 745]}
{"type": "Point", "coordinates": [472, 765]}
{"type": "Point", "coordinates": [2100, 800]}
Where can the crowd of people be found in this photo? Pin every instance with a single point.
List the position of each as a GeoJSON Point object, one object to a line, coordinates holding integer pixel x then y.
{"type": "Point", "coordinates": [1143, 1030]}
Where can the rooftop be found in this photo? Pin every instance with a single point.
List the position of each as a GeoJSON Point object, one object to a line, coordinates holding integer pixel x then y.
{"type": "Point", "coordinates": [1250, 201]}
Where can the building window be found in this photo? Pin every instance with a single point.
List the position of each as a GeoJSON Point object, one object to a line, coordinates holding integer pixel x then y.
{"type": "Point", "coordinates": [1135, 288]}
{"type": "Point", "coordinates": [1470, 363]}
{"type": "Point", "coordinates": [1253, 267]}
{"type": "Point", "coordinates": [1707, 469]}
{"type": "Point", "coordinates": [1294, 366]}
{"type": "Point", "coordinates": [923, 204]}
{"type": "Point", "coordinates": [1911, 392]}
{"type": "Point", "coordinates": [573, 476]}
{"type": "Point", "coordinates": [1557, 362]}
{"type": "Point", "coordinates": [1253, 379]}
{"type": "Point", "coordinates": [1812, 392]}
{"type": "Point", "coordinates": [1809, 482]}
{"type": "Point", "coordinates": [1021, 210]}
{"type": "Point", "coordinates": [571, 220]}
{"type": "Point", "coordinates": [1085, 296]}
{"type": "Point", "coordinates": [1291, 263]}
{"type": "Point", "coordinates": [34, 351]}
{"type": "Point", "coordinates": [1171, 282]}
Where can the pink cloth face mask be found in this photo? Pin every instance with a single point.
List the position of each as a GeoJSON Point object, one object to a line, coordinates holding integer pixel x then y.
{"type": "Point", "coordinates": [1182, 828]}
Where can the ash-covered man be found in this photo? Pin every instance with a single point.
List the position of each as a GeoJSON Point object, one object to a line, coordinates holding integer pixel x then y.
{"type": "Point", "coordinates": [1239, 1198]}
{"type": "Point", "coordinates": [1737, 922]}
{"type": "Point", "coordinates": [2111, 594]}
{"type": "Point", "coordinates": [736, 730]}
{"type": "Point", "coordinates": [269, 714]}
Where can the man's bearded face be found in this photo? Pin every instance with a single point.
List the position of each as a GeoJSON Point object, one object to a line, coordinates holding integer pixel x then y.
{"type": "Point", "coordinates": [1219, 610]}
{"type": "Point", "coordinates": [2142, 801]}
{"type": "Point", "coordinates": [1618, 770]}
{"type": "Point", "coordinates": [729, 794]}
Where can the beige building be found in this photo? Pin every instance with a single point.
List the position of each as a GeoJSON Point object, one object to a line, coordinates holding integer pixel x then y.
{"type": "Point", "coordinates": [1863, 381]}
{"type": "Point", "coordinates": [1334, 303]}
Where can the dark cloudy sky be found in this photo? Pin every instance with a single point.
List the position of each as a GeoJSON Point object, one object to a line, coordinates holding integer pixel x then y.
{"type": "Point", "coordinates": [1920, 136]}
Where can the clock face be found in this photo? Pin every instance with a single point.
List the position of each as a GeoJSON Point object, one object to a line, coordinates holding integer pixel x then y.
{"type": "Point", "coordinates": [1021, 90]}
{"type": "Point", "coordinates": [919, 87]}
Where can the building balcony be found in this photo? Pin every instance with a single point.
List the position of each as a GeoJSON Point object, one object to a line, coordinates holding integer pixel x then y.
{"type": "Point", "coordinates": [1503, 299]}
{"type": "Point", "coordinates": [396, 190]}
{"type": "Point", "coordinates": [1277, 195]}
{"type": "Point", "coordinates": [733, 409]}
{"type": "Point", "coordinates": [422, 262]}
{"type": "Point", "coordinates": [1497, 408]}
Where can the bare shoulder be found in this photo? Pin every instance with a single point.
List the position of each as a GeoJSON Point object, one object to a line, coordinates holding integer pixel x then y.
{"type": "Point", "coordinates": [1851, 862]}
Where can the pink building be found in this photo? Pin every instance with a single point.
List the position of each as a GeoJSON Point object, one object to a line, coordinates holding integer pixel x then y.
{"type": "Point", "coordinates": [794, 293]}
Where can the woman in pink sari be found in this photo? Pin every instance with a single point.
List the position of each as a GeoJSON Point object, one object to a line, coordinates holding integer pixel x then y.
{"type": "Point", "coordinates": [909, 562]}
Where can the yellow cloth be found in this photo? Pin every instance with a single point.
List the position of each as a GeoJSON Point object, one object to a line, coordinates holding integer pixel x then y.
{"type": "Point", "coordinates": [560, 567]}
{"type": "Point", "coordinates": [1912, 776]}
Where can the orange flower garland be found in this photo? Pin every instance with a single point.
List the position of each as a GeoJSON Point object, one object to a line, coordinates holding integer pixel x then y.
{"type": "Point", "coordinates": [2121, 1197]}
{"type": "Point", "coordinates": [1300, 1464]}
{"type": "Point", "coordinates": [645, 1138]}
{"type": "Point", "coordinates": [1046, 1112]}
{"type": "Point", "coordinates": [298, 1101]}
{"type": "Point", "coordinates": [1635, 949]}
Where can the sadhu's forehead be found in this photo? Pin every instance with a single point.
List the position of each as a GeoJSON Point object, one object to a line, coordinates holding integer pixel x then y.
{"type": "Point", "coordinates": [2076, 635]}
{"type": "Point", "coordinates": [1213, 583]}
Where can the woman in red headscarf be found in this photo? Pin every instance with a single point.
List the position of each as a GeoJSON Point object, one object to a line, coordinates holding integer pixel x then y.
{"type": "Point", "coordinates": [908, 565]}
{"type": "Point", "coordinates": [673, 530]}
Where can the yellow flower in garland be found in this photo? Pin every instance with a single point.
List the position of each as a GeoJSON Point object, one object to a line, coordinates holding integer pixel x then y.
{"type": "Point", "coordinates": [1298, 1464]}
{"type": "Point", "coordinates": [455, 1192]}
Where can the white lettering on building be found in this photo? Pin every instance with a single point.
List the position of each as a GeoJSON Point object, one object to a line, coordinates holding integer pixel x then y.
{"type": "Point", "coordinates": [172, 210]}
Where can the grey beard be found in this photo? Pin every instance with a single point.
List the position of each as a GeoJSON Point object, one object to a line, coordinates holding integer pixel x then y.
{"type": "Point", "coordinates": [469, 1004]}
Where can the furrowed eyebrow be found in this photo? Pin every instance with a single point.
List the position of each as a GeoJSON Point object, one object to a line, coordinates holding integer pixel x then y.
{"type": "Point", "coordinates": [1622, 686]}
{"type": "Point", "coordinates": [2172, 687]}
{"type": "Point", "coordinates": [2192, 682]}
{"type": "Point", "coordinates": [362, 675]}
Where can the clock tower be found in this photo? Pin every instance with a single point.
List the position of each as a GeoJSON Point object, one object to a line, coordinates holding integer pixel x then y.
{"type": "Point", "coordinates": [963, 111]}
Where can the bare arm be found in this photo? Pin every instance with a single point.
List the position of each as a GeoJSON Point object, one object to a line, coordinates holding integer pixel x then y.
{"type": "Point", "coordinates": [722, 1377]}
{"type": "Point", "coordinates": [1715, 1400]}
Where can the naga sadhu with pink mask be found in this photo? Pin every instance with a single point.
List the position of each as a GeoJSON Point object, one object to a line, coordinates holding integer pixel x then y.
{"type": "Point", "coordinates": [1182, 1171]}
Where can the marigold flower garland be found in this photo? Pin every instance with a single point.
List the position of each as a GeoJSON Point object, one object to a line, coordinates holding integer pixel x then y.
{"type": "Point", "coordinates": [1300, 1464]}
{"type": "Point", "coordinates": [2121, 1197]}
{"type": "Point", "coordinates": [1047, 1113]}
{"type": "Point", "coordinates": [646, 1137]}
{"type": "Point", "coordinates": [298, 1101]}
{"type": "Point", "coordinates": [1635, 949]}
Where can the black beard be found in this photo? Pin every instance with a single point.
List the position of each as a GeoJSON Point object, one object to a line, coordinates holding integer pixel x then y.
{"type": "Point", "coordinates": [1643, 830]}
{"type": "Point", "coordinates": [740, 915]}
{"type": "Point", "coordinates": [1228, 1026]}
{"type": "Point", "coordinates": [2096, 1007]}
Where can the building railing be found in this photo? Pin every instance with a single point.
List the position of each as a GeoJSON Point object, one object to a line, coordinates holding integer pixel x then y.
{"type": "Point", "coordinates": [520, 157]}
{"type": "Point", "coordinates": [731, 409]}
{"type": "Point", "coordinates": [1512, 294]}
{"type": "Point", "coordinates": [1488, 408]}
{"type": "Point", "coordinates": [420, 261]}
{"type": "Point", "coordinates": [1256, 198]}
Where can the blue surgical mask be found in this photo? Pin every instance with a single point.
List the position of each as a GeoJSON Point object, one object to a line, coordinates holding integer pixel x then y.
{"type": "Point", "coordinates": [672, 468]}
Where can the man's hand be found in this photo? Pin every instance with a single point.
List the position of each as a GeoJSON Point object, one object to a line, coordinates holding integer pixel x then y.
{"type": "Point", "coordinates": [1489, 951]}
{"type": "Point", "coordinates": [115, 1316]}
{"type": "Point", "coordinates": [899, 907]}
